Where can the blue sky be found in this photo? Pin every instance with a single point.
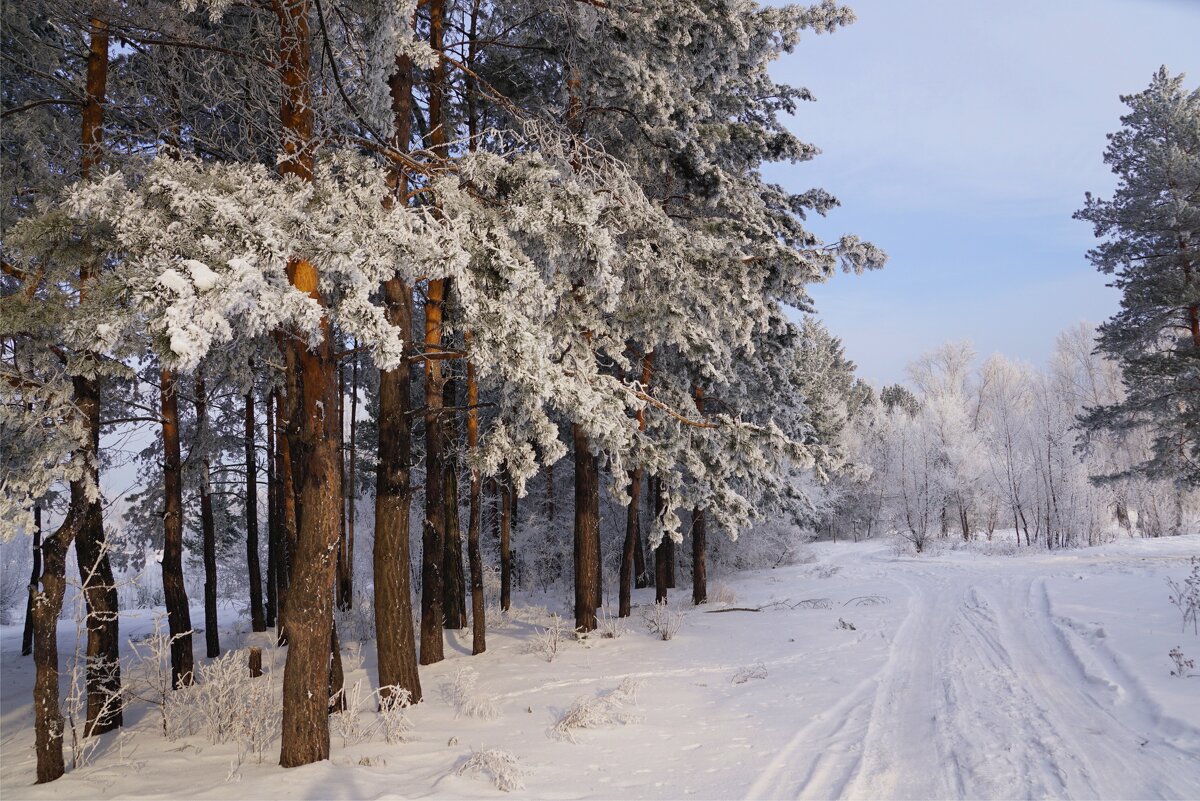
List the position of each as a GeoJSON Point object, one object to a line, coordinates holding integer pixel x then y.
{"type": "Point", "coordinates": [960, 136]}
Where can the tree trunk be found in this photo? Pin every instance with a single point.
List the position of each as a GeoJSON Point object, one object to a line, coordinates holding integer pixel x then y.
{"type": "Point", "coordinates": [91, 550]}
{"type": "Point", "coordinates": [699, 563]}
{"type": "Point", "coordinates": [273, 544]}
{"type": "Point", "coordinates": [506, 560]}
{"type": "Point", "coordinates": [352, 480]}
{"type": "Point", "coordinates": [661, 564]}
{"type": "Point", "coordinates": [434, 529]}
{"type": "Point", "coordinates": [47, 604]}
{"type": "Point", "coordinates": [212, 638]}
{"type": "Point", "coordinates": [587, 531]}
{"type": "Point", "coordinates": [393, 498]}
{"type": "Point", "coordinates": [453, 582]}
{"type": "Point", "coordinates": [344, 568]}
{"type": "Point", "coordinates": [286, 501]}
{"type": "Point", "coordinates": [391, 563]}
{"type": "Point", "coordinates": [474, 522]}
{"type": "Point", "coordinates": [309, 610]}
{"type": "Point", "coordinates": [179, 620]}
{"type": "Point", "coordinates": [258, 620]}
{"type": "Point", "coordinates": [632, 541]}
{"type": "Point", "coordinates": [34, 576]}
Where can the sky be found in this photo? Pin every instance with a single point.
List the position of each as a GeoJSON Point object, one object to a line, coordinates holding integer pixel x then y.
{"type": "Point", "coordinates": [960, 136]}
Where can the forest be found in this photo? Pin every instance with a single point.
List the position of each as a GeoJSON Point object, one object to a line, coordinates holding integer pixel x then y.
{"type": "Point", "coordinates": [345, 327]}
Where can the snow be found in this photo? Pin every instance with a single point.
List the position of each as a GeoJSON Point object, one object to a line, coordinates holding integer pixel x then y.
{"type": "Point", "coordinates": [968, 673]}
{"type": "Point", "coordinates": [202, 275]}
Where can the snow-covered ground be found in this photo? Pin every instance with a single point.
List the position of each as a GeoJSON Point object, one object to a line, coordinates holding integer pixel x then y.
{"type": "Point", "coordinates": [963, 676]}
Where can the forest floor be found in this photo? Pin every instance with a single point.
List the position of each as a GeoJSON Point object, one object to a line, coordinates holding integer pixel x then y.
{"type": "Point", "coordinates": [962, 674]}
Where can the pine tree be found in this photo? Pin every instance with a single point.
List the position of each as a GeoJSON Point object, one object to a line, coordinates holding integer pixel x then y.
{"type": "Point", "coordinates": [1151, 247]}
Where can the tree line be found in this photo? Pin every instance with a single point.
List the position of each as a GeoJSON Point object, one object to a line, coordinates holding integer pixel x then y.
{"type": "Point", "coordinates": [511, 232]}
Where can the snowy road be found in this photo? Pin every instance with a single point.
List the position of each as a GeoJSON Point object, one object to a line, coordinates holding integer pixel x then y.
{"type": "Point", "coordinates": [988, 693]}
{"type": "Point", "coordinates": [865, 675]}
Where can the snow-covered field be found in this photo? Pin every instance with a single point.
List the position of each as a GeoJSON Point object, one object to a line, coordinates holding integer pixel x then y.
{"type": "Point", "coordinates": [957, 675]}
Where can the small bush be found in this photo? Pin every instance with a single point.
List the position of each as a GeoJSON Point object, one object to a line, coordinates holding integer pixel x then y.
{"type": "Point", "coordinates": [1186, 597]}
{"type": "Point", "coordinates": [501, 767]}
{"type": "Point", "coordinates": [756, 671]}
{"type": "Point", "coordinates": [605, 709]}
{"type": "Point", "coordinates": [1182, 663]}
{"type": "Point", "coordinates": [546, 642]}
{"type": "Point", "coordinates": [663, 621]}
{"type": "Point", "coordinates": [461, 694]}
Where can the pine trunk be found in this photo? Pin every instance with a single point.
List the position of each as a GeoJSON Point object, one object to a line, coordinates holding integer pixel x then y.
{"type": "Point", "coordinates": [313, 446]}
{"type": "Point", "coordinates": [661, 554]}
{"type": "Point", "coordinates": [286, 500]}
{"type": "Point", "coordinates": [179, 620]}
{"type": "Point", "coordinates": [258, 621]}
{"type": "Point", "coordinates": [474, 522]}
{"type": "Point", "coordinates": [34, 576]}
{"type": "Point", "coordinates": [212, 637]}
{"type": "Point", "coordinates": [344, 566]}
{"type": "Point", "coordinates": [587, 531]}
{"type": "Point", "coordinates": [506, 560]}
{"type": "Point", "coordinates": [47, 711]}
{"type": "Point", "coordinates": [391, 564]}
{"type": "Point", "coordinates": [434, 532]}
{"type": "Point", "coordinates": [699, 562]}
{"type": "Point", "coordinates": [91, 550]}
{"type": "Point", "coordinates": [632, 543]}
{"type": "Point", "coordinates": [273, 544]}
{"type": "Point", "coordinates": [454, 605]}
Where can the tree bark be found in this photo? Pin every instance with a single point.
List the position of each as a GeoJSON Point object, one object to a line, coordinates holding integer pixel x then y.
{"type": "Point", "coordinates": [273, 536]}
{"type": "Point", "coordinates": [179, 620]}
{"type": "Point", "coordinates": [699, 535]}
{"type": "Point", "coordinates": [91, 549]}
{"type": "Point", "coordinates": [632, 541]}
{"type": "Point", "coordinates": [34, 576]}
{"type": "Point", "coordinates": [394, 634]}
{"type": "Point", "coordinates": [393, 498]}
{"type": "Point", "coordinates": [453, 583]}
{"type": "Point", "coordinates": [47, 604]}
{"type": "Point", "coordinates": [309, 610]}
{"type": "Point", "coordinates": [286, 500]}
{"type": "Point", "coordinates": [661, 555]}
{"type": "Point", "coordinates": [434, 531]}
{"type": "Point", "coordinates": [212, 639]}
{"type": "Point", "coordinates": [474, 522]}
{"type": "Point", "coordinates": [587, 531]}
{"type": "Point", "coordinates": [506, 559]}
{"type": "Point", "coordinates": [633, 561]}
{"type": "Point", "coordinates": [352, 479]}
{"type": "Point", "coordinates": [258, 621]}
{"type": "Point", "coordinates": [699, 562]}
{"type": "Point", "coordinates": [344, 566]}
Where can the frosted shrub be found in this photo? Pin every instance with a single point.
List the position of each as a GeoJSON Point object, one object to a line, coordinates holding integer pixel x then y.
{"type": "Point", "coordinates": [496, 618]}
{"type": "Point", "coordinates": [609, 627]}
{"type": "Point", "coordinates": [546, 642]}
{"type": "Point", "coordinates": [756, 671]}
{"type": "Point", "coordinates": [394, 702]}
{"type": "Point", "coordinates": [1186, 597]}
{"type": "Point", "coordinates": [604, 709]}
{"type": "Point", "coordinates": [663, 621]}
{"type": "Point", "coordinates": [356, 624]}
{"type": "Point", "coordinates": [460, 693]}
{"type": "Point", "coordinates": [230, 706]}
{"type": "Point", "coordinates": [501, 767]}
{"type": "Point", "coordinates": [722, 594]}
{"type": "Point", "coordinates": [1182, 663]}
{"type": "Point", "coordinates": [347, 721]}
{"type": "Point", "coordinates": [149, 681]}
